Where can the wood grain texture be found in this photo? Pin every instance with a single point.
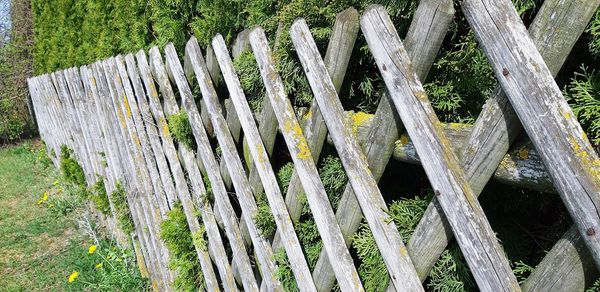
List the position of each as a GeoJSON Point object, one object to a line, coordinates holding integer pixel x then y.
{"type": "Point", "coordinates": [174, 181]}
{"type": "Point", "coordinates": [424, 40]}
{"type": "Point", "coordinates": [476, 238]}
{"type": "Point", "coordinates": [545, 115]}
{"type": "Point", "coordinates": [393, 251]}
{"type": "Point", "coordinates": [270, 185]}
{"type": "Point", "coordinates": [498, 126]}
{"type": "Point", "coordinates": [206, 153]}
{"type": "Point", "coordinates": [331, 235]}
{"type": "Point", "coordinates": [248, 205]}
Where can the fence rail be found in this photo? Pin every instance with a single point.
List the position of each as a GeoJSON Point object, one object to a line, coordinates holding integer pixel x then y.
{"type": "Point", "coordinates": [116, 111]}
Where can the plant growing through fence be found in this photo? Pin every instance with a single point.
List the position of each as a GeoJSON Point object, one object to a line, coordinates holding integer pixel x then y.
{"type": "Point", "coordinates": [175, 232]}
{"type": "Point", "coordinates": [122, 211]}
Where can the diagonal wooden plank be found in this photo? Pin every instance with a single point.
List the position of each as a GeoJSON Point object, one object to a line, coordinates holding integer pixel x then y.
{"type": "Point", "coordinates": [262, 247]}
{"type": "Point", "coordinates": [395, 256]}
{"type": "Point", "coordinates": [555, 30]}
{"type": "Point", "coordinates": [158, 130]}
{"type": "Point", "coordinates": [116, 164]}
{"type": "Point", "coordinates": [330, 232]}
{"type": "Point", "coordinates": [545, 115]}
{"type": "Point", "coordinates": [267, 176]}
{"type": "Point", "coordinates": [206, 153]}
{"type": "Point", "coordinates": [158, 160]}
{"type": "Point", "coordinates": [424, 38]}
{"type": "Point", "coordinates": [476, 238]}
{"type": "Point", "coordinates": [137, 180]}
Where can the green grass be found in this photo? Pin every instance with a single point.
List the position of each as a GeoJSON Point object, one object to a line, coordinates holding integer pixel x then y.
{"type": "Point", "coordinates": [40, 244]}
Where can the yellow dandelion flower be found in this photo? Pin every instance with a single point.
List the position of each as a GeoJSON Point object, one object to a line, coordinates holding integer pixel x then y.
{"type": "Point", "coordinates": [40, 202]}
{"type": "Point", "coordinates": [73, 276]}
{"type": "Point", "coordinates": [45, 196]}
{"type": "Point", "coordinates": [92, 249]}
{"type": "Point", "coordinates": [55, 182]}
{"type": "Point", "coordinates": [99, 266]}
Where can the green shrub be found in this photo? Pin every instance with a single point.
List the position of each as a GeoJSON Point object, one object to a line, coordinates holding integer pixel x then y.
{"type": "Point", "coordinates": [405, 213]}
{"type": "Point", "coordinates": [99, 196]}
{"type": "Point", "coordinates": [583, 94]}
{"type": "Point", "coordinates": [179, 126]}
{"type": "Point", "coordinates": [594, 31]}
{"type": "Point", "coordinates": [264, 220]}
{"type": "Point", "coordinates": [71, 170]}
{"type": "Point", "coordinates": [122, 211]}
{"type": "Point", "coordinates": [175, 232]}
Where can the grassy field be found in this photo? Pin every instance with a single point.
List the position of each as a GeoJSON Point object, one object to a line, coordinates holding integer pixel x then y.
{"type": "Point", "coordinates": [47, 239]}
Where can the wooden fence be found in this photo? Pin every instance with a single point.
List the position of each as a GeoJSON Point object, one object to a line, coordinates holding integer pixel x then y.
{"type": "Point", "coordinates": [116, 111]}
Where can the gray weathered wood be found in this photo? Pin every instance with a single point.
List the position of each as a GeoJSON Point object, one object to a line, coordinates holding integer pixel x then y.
{"type": "Point", "coordinates": [234, 165]}
{"type": "Point", "coordinates": [475, 236]}
{"type": "Point", "coordinates": [182, 192]}
{"type": "Point", "coordinates": [331, 235]}
{"type": "Point", "coordinates": [160, 129]}
{"type": "Point", "coordinates": [263, 165]}
{"type": "Point", "coordinates": [206, 153]}
{"type": "Point", "coordinates": [423, 41]}
{"type": "Point", "coordinates": [395, 256]}
{"type": "Point", "coordinates": [569, 255]}
{"type": "Point", "coordinates": [498, 126]}
{"type": "Point", "coordinates": [545, 115]}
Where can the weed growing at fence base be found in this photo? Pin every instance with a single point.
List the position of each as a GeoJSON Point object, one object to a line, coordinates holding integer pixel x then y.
{"type": "Point", "coordinates": [122, 212]}
{"type": "Point", "coordinates": [175, 232]}
{"type": "Point", "coordinates": [179, 126]}
{"type": "Point", "coordinates": [71, 170]}
{"type": "Point", "coordinates": [99, 196]}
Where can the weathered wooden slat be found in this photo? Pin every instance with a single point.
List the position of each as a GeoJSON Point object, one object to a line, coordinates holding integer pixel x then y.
{"type": "Point", "coordinates": [157, 127]}
{"type": "Point", "coordinates": [545, 115]}
{"type": "Point", "coordinates": [182, 192]}
{"type": "Point", "coordinates": [520, 167]}
{"type": "Point", "coordinates": [116, 167]}
{"type": "Point", "coordinates": [294, 253]}
{"type": "Point", "coordinates": [570, 254]}
{"type": "Point", "coordinates": [331, 235]}
{"type": "Point", "coordinates": [425, 37]}
{"type": "Point", "coordinates": [400, 268]}
{"type": "Point", "coordinates": [498, 126]}
{"type": "Point", "coordinates": [475, 236]}
{"type": "Point", "coordinates": [137, 183]}
{"type": "Point", "coordinates": [234, 165]}
{"type": "Point", "coordinates": [155, 210]}
{"type": "Point", "coordinates": [206, 153]}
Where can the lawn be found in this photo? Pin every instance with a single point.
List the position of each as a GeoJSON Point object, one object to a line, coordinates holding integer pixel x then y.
{"type": "Point", "coordinates": [42, 240]}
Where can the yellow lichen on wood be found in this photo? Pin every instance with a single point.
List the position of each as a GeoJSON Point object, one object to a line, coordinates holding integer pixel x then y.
{"type": "Point", "coordinates": [404, 139]}
{"type": "Point", "coordinates": [294, 129]}
{"type": "Point", "coordinates": [164, 126]}
{"type": "Point", "coordinates": [121, 119]}
{"type": "Point", "coordinates": [421, 95]}
{"type": "Point", "coordinates": [261, 153]}
{"type": "Point", "coordinates": [358, 119]}
{"type": "Point", "coordinates": [523, 153]}
{"type": "Point", "coordinates": [127, 107]}
{"type": "Point", "coordinates": [308, 115]}
{"type": "Point", "coordinates": [591, 165]}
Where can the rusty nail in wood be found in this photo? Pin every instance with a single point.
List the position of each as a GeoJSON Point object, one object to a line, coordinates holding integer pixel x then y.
{"type": "Point", "coordinates": [591, 231]}
{"type": "Point", "coordinates": [383, 67]}
{"type": "Point", "coordinates": [437, 193]}
{"type": "Point", "coordinates": [505, 72]}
